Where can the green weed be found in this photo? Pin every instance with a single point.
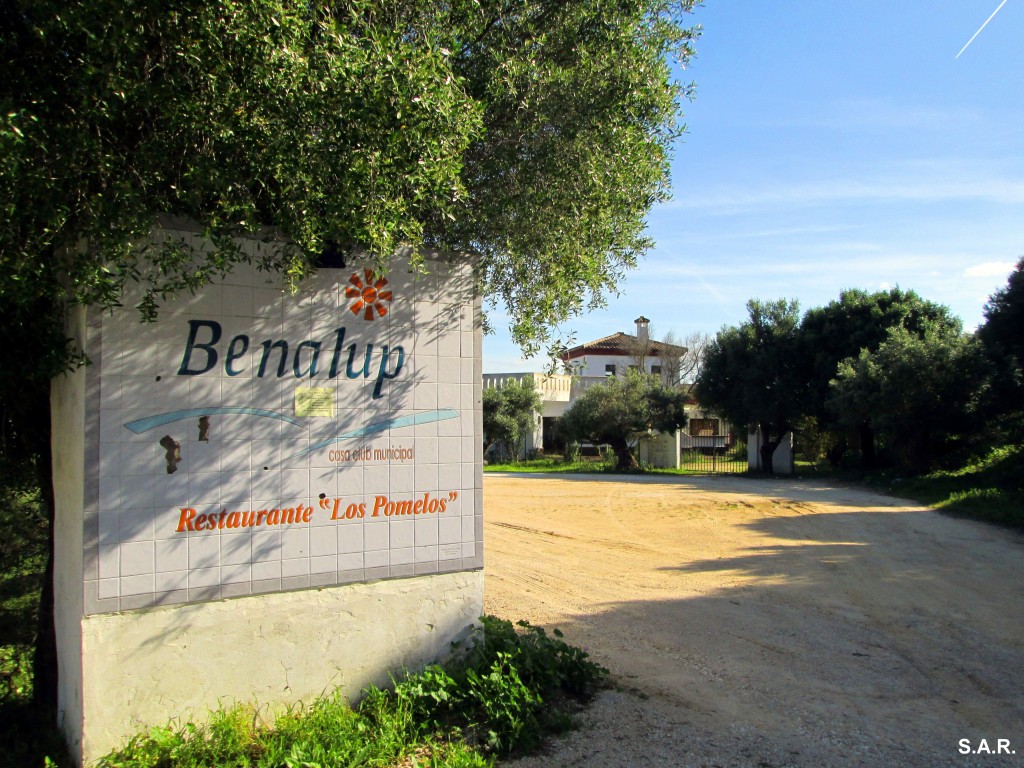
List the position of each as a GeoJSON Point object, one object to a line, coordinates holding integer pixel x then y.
{"type": "Point", "coordinates": [991, 487]}
{"type": "Point", "coordinates": [549, 464]}
{"type": "Point", "coordinates": [607, 465]}
{"type": "Point", "coordinates": [505, 693]}
{"type": "Point", "coordinates": [22, 562]}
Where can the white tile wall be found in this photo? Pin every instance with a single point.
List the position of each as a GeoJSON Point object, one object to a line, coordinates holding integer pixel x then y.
{"type": "Point", "coordinates": [246, 462]}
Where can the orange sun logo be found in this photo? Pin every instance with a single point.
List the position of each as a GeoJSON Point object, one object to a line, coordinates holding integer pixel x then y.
{"type": "Point", "coordinates": [368, 295]}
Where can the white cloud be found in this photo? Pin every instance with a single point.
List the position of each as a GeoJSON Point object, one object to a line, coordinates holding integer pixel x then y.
{"type": "Point", "coordinates": [990, 269]}
{"type": "Point", "coordinates": [734, 200]}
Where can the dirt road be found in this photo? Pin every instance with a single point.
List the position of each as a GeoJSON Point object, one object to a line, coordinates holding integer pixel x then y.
{"type": "Point", "coordinates": [767, 623]}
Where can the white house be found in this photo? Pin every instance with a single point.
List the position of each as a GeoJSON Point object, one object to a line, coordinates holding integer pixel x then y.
{"type": "Point", "coordinates": [614, 355]}
{"type": "Point", "coordinates": [590, 363]}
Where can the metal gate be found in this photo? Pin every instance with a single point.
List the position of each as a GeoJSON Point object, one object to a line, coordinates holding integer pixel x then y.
{"type": "Point", "coordinates": [713, 454]}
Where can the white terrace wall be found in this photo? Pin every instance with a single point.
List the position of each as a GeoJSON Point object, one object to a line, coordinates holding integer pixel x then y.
{"type": "Point", "coordinates": [264, 496]}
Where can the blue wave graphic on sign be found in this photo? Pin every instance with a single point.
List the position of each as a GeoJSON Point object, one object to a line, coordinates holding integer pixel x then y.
{"type": "Point", "coordinates": [151, 422]}
{"type": "Point", "coordinates": [381, 426]}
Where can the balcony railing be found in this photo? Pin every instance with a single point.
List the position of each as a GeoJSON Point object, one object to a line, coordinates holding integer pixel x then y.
{"type": "Point", "coordinates": [551, 387]}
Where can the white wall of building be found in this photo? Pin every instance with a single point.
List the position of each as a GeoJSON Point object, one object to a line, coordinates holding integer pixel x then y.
{"type": "Point", "coordinates": [555, 390]}
{"type": "Point", "coordinates": [70, 447]}
{"type": "Point", "coordinates": [596, 365]}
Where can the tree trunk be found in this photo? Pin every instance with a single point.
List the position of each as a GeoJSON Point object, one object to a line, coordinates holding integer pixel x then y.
{"type": "Point", "coordinates": [836, 452]}
{"type": "Point", "coordinates": [625, 460]}
{"type": "Point", "coordinates": [867, 444]}
{"type": "Point", "coordinates": [767, 449]}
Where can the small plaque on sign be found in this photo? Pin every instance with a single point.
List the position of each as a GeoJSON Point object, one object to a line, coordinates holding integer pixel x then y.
{"type": "Point", "coordinates": [315, 402]}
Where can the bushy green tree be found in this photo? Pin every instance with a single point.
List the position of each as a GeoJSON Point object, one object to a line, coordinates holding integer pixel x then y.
{"type": "Point", "coordinates": [1004, 315]}
{"type": "Point", "coordinates": [510, 415]}
{"type": "Point", "coordinates": [1002, 336]}
{"type": "Point", "coordinates": [857, 321]}
{"type": "Point", "coordinates": [753, 373]}
{"type": "Point", "coordinates": [917, 390]}
{"type": "Point", "coordinates": [622, 409]}
{"type": "Point", "coordinates": [533, 135]}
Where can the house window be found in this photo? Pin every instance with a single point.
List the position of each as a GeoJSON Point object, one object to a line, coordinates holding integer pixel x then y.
{"type": "Point", "coordinates": [609, 370]}
{"type": "Point", "coordinates": [634, 367]}
{"type": "Point", "coordinates": [704, 427]}
{"type": "Point", "coordinates": [656, 370]}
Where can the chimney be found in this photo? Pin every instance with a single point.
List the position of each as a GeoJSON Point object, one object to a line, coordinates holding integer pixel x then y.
{"type": "Point", "coordinates": [641, 328]}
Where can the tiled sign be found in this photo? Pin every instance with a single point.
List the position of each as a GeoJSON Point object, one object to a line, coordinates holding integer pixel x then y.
{"type": "Point", "coordinates": [255, 441]}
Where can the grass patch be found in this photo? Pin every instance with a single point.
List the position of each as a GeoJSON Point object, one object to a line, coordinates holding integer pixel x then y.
{"type": "Point", "coordinates": [989, 487]}
{"type": "Point", "coordinates": [553, 464]}
{"type": "Point", "coordinates": [501, 696]}
{"type": "Point", "coordinates": [326, 733]}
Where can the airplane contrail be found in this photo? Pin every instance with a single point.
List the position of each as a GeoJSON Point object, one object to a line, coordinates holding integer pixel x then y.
{"type": "Point", "coordinates": [981, 28]}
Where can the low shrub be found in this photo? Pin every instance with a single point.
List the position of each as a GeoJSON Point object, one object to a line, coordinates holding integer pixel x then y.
{"type": "Point", "coordinates": [501, 694]}
{"type": "Point", "coordinates": [990, 487]}
{"type": "Point", "coordinates": [504, 692]}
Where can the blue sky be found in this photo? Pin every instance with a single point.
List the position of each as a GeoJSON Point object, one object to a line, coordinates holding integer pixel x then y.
{"type": "Point", "coordinates": [832, 145]}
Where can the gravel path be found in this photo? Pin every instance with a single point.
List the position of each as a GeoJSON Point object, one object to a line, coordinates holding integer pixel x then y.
{"type": "Point", "coordinates": [766, 623]}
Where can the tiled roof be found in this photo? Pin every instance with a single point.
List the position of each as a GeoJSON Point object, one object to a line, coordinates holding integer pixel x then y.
{"type": "Point", "coordinates": [621, 344]}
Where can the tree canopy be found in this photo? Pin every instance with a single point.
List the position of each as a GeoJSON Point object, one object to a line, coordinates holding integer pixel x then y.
{"type": "Point", "coordinates": [917, 390]}
{"type": "Point", "coordinates": [842, 330]}
{"type": "Point", "coordinates": [887, 362]}
{"type": "Point", "coordinates": [533, 134]}
{"type": "Point", "coordinates": [1004, 315]}
{"type": "Point", "coordinates": [752, 373]}
{"type": "Point", "coordinates": [859, 320]}
{"type": "Point", "coordinates": [1003, 338]}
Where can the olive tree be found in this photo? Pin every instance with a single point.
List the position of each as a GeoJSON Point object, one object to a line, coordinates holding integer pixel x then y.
{"type": "Point", "coordinates": [621, 410]}
{"type": "Point", "coordinates": [917, 390]}
{"type": "Point", "coordinates": [856, 321]}
{"type": "Point", "coordinates": [531, 135]}
{"type": "Point", "coordinates": [509, 416]}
